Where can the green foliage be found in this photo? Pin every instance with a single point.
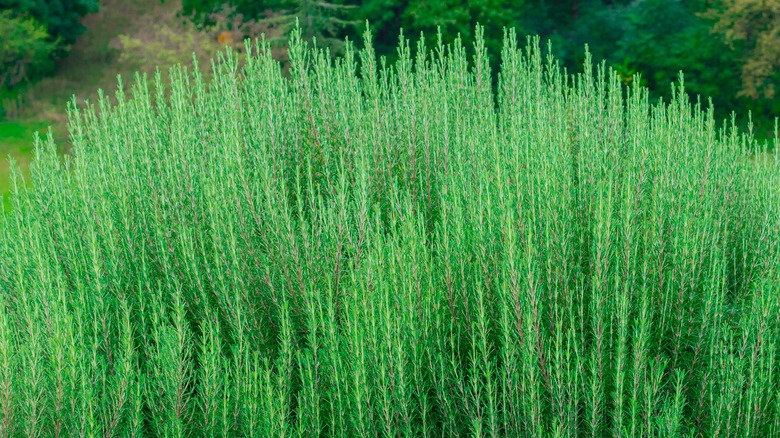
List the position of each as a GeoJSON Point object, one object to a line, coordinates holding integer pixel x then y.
{"type": "Point", "coordinates": [755, 27]}
{"type": "Point", "coordinates": [657, 39]}
{"type": "Point", "coordinates": [380, 249]}
{"type": "Point", "coordinates": [249, 8]}
{"type": "Point", "coordinates": [451, 17]}
{"type": "Point", "coordinates": [35, 33]}
{"type": "Point", "coordinates": [62, 18]}
{"type": "Point", "coordinates": [26, 50]}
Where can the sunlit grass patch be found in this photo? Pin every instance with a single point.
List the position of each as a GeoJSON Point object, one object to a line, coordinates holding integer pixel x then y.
{"type": "Point", "coordinates": [16, 141]}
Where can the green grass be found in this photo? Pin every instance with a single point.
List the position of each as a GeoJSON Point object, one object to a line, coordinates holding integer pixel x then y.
{"type": "Point", "coordinates": [16, 142]}
{"type": "Point", "coordinates": [370, 250]}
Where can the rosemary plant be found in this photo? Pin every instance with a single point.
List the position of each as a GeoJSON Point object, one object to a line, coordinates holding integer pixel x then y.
{"type": "Point", "coordinates": [351, 248]}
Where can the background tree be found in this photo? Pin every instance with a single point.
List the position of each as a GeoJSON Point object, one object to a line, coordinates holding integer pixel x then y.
{"type": "Point", "coordinates": [248, 8]}
{"type": "Point", "coordinates": [453, 17]}
{"type": "Point", "coordinates": [25, 49]}
{"type": "Point", "coordinates": [753, 27]}
{"type": "Point", "coordinates": [658, 39]}
{"type": "Point", "coordinates": [62, 18]}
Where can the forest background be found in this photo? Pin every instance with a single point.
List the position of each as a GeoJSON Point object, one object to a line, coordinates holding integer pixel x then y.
{"type": "Point", "coordinates": [53, 50]}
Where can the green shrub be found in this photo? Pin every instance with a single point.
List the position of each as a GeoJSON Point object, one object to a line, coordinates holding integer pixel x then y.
{"type": "Point", "coordinates": [364, 250]}
{"type": "Point", "coordinates": [61, 18]}
{"type": "Point", "coordinates": [26, 50]}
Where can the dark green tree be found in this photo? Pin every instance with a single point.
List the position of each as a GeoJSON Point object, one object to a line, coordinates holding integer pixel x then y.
{"type": "Point", "coordinates": [62, 18]}
{"type": "Point", "coordinates": [655, 38]}
{"type": "Point", "coordinates": [753, 27]}
{"type": "Point", "coordinates": [25, 49]}
{"type": "Point", "coordinates": [452, 17]}
{"type": "Point", "coordinates": [248, 8]}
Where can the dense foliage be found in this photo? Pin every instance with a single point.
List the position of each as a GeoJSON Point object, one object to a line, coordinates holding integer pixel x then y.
{"type": "Point", "coordinates": [25, 50]}
{"type": "Point", "coordinates": [451, 18]}
{"type": "Point", "coordinates": [755, 26]}
{"type": "Point", "coordinates": [374, 250]}
{"type": "Point", "coordinates": [62, 18]}
{"type": "Point", "coordinates": [660, 38]}
{"type": "Point", "coordinates": [34, 34]}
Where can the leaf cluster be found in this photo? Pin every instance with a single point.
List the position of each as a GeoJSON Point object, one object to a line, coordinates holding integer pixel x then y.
{"type": "Point", "coordinates": [26, 49]}
{"type": "Point", "coordinates": [61, 18]}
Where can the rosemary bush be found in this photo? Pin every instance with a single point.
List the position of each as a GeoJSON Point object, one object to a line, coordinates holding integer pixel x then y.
{"type": "Point", "coordinates": [359, 249]}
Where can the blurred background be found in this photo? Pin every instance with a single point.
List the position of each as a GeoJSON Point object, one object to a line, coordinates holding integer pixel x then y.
{"type": "Point", "coordinates": [55, 50]}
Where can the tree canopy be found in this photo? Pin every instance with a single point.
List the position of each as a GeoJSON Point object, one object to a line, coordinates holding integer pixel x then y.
{"type": "Point", "coordinates": [753, 28]}
{"type": "Point", "coordinates": [35, 33]}
{"type": "Point", "coordinates": [25, 49]}
{"type": "Point", "coordinates": [62, 18]}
